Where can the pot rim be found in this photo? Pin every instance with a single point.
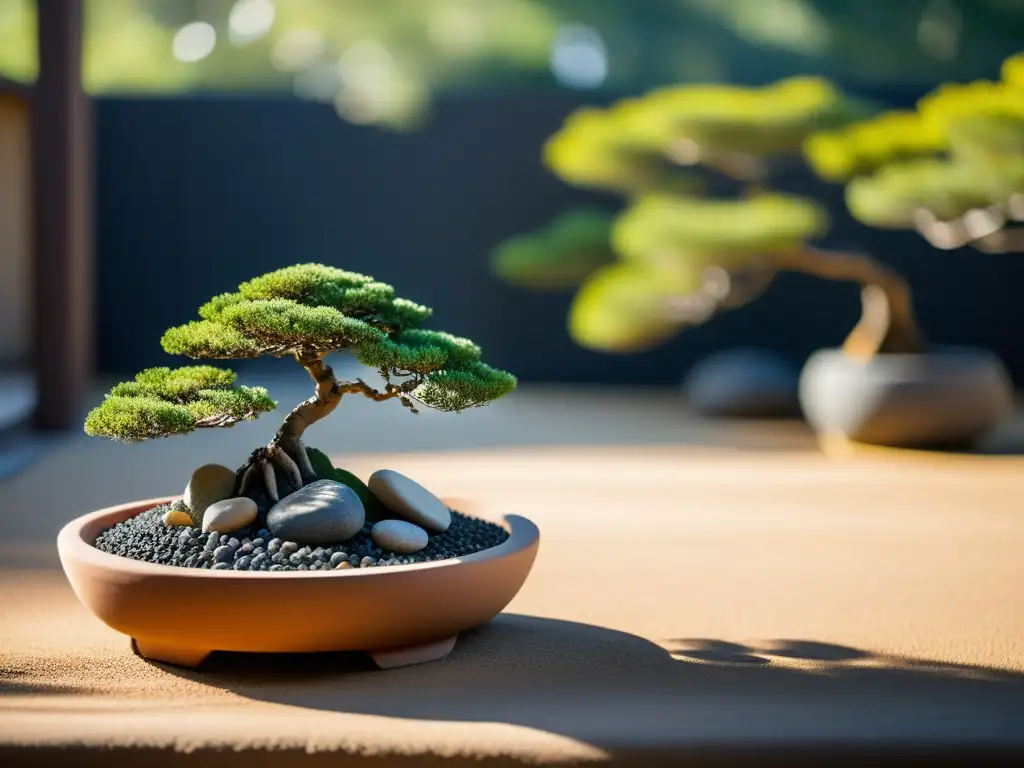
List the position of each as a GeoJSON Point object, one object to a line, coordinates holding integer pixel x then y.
{"type": "Point", "coordinates": [936, 351]}
{"type": "Point", "coordinates": [73, 543]}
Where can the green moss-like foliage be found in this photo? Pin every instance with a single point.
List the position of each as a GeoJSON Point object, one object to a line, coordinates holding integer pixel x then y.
{"type": "Point", "coordinates": [593, 150]}
{"type": "Point", "coordinates": [980, 121]}
{"type": "Point", "coordinates": [628, 307]}
{"type": "Point", "coordinates": [637, 144]}
{"type": "Point", "coordinates": [324, 469]}
{"type": "Point", "coordinates": [161, 402]}
{"type": "Point", "coordinates": [310, 309]}
{"type": "Point", "coordinates": [306, 309]}
{"type": "Point", "coordinates": [990, 141]}
{"type": "Point", "coordinates": [732, 119]}
{"type": "Point", "coordinates": [892, 196]}
{"type": "Point", "coordinates": [715, 231]}
{"type": "Point", "coordinates": [559, 255]}
{"type": "Point", "coordinates": [465, 386]}
{"type": "Point", "coordinates": [859, 148]}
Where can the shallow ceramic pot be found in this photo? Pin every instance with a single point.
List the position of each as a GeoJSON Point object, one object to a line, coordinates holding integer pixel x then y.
{"type": "Point", "coordinates": [946, 398]}
{"type": "Point", "coordinates": [399, 614]}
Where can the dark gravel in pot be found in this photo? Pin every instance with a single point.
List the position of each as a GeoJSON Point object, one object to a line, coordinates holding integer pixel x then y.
{"type": "Point", "coordinates": [145, 537]}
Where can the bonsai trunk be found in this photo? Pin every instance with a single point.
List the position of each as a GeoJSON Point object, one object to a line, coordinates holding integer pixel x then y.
{"type": "Point", "coordinates": [286, 451]}
{"type": "Point", "coordinates": [887, 323]}
{"type": "Point", "coordinates": [324, 400]}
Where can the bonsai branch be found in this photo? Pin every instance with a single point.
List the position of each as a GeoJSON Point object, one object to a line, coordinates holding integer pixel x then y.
{"type": "Point", "coordinates": [989, 230]}
{"type": "Point", "coordinates": [221, 420]}
{"type": "Point", "coordinates": [887, 321]}
{"type": "Point", "coordinates": [287, 451]}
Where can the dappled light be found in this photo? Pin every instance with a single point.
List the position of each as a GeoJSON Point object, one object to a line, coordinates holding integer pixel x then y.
{"type": "Point", "coordinates": [533, 382]}
{"type": "Point", "coordinates": [437, 45]}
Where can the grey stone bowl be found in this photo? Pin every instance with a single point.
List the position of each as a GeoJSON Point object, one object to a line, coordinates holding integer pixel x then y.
{"type": "Point", "coordinates": [947, 398]}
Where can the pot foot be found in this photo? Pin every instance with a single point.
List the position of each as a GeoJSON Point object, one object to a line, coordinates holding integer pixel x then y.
{"type": "Point", "coordinates": [413, 654]}
{"type": "Point", "coordinates": [170, 654]}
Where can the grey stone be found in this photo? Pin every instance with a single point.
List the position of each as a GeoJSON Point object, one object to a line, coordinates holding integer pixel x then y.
{"type": "Point", "coordinates": [743, 383]}
{"type": "Point", "coordinates": [323, 512]}
{"type": "Point", "coordinates": [946, 398]}
{"type": "Point", "coordinates": [223, 553]}
{"type": "Point", "coordinates": [336, 558]}
{"type": "Point", "coordinates": [208, 485]}
{"type": "Point", "coordinates": [407, 498]}
{"type": "Point", "coordinates": [399, 536]}
{"type": "Point", "coordinates": [229, 515]}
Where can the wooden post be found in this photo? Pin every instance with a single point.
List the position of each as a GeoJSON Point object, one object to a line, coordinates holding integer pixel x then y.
{"type": "Point", "coordinates": [62, 278]}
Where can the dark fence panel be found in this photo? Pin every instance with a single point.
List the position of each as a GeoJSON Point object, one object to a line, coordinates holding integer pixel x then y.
{"type": "Point", "coordinates": [197, 194]}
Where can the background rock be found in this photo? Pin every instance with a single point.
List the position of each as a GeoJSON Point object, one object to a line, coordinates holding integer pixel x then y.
{"type": "Point", "coordinates": [743, 383]}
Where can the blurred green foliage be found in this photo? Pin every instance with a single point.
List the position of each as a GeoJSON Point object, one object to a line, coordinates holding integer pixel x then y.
{"type": "Point", "coordinates": [380, 62]}
{"type": "Point", "coordinates": [953, 168]}
{"type": "Point", "coordinates": [561, 254]}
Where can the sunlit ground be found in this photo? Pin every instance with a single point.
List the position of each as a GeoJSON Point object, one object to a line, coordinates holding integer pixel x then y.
{"type": "Point", "coordinates": [697, 583]}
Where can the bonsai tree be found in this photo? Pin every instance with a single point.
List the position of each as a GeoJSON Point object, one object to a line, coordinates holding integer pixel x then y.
{"type": "Point", "coordinates": [700, 230]}
{"type": "Point", "coordinates": [952, 169]}
{"type": "Point", "coordinates": [304, 312]}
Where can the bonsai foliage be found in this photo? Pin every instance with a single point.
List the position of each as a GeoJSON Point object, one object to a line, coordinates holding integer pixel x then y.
{"type": "Point", "coordinates": [560, 255]}
{"type": "Point", "coordinates": [953, 168]}
{"type": "Point", "coordinates": [700, 231]}
{"type": "Point", "coordinates": [305, 312]}
{"type": "Point", "coordinates": [161, 402]}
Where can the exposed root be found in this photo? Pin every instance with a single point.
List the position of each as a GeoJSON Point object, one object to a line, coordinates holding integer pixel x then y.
{"type": "Point", "coordinates": [270, 480]}
{"type": "Point", "coordinates": [248, 478]}
{"type": "Point", "coordinates": [305, 465]}
{"type": "Point", "coordinates": [285, 462]}
{"type": "Point", "coordinates": [274, 471]}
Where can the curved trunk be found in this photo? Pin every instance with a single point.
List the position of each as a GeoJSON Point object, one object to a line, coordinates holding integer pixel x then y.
{"type": "Point", "coordinates": [887, 322]}
{"type": "Point", "coordinates": [324, 400]}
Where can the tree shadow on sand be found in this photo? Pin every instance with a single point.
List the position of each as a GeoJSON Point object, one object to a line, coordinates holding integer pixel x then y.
{"type": "Point", "coordinates": [631, 697]}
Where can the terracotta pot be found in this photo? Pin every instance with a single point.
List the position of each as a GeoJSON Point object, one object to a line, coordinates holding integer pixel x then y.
{"type": "Point", "coordinates": [399, 614]}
